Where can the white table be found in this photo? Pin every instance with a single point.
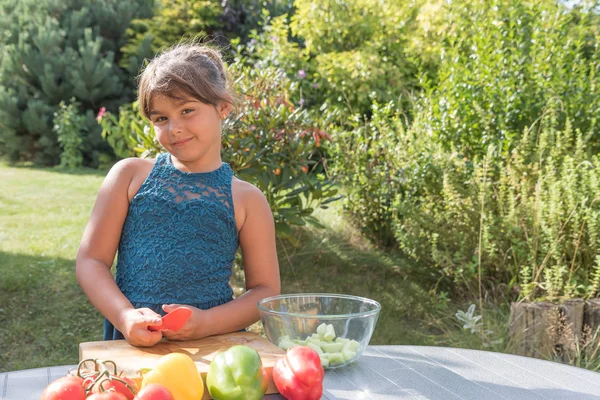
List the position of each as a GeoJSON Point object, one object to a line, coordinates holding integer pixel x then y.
{"type": "Point", "coordinates": [406, 372]}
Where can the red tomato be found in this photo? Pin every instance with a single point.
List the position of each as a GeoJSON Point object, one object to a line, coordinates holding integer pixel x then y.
{"type": "Point", "coordinates": [111, 395]}
{"type": "Point", "coordinates": [119, 387]}
{"type": "Point", "coordinates": [65, 388]}
{"type": "Point", "coordinates": [154, 391]}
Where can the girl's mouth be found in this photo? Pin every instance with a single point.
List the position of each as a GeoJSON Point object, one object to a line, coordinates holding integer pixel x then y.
{"type": "Point", "coordinates": [181, 142]}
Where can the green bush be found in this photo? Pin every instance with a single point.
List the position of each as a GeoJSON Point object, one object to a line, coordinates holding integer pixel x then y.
{"type": "Point", "coordinates": [268, 142]}
{"type": "Point", "coordinates": [241, 17]}
{"type": "Point", "coordinates": [51, 51]}
{"type": "Point", "coordinates": [527, 218]}
{"type": "Point", "coordinates": [175, 21]}
{"type": "Point", "coordinates": [273, 47]}
{"type": "Point", "coordinates": [68, 125]}
{"type": "Point", "coordinates": [358, 50]}
{"type": "Point", "coordinates": [494, 176]}
{"type": "Point", "coordinates": [367, 162]}
{"type": "Point", "coordinates": [343, 53]}
{"type": "Point", "coordinates": [516, 178]}
{"type": "Point", "coordinates": [503, 62]}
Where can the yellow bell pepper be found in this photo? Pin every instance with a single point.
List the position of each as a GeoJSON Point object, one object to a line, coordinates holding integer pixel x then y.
{"type": "Point", "coordinates": [177, 372]}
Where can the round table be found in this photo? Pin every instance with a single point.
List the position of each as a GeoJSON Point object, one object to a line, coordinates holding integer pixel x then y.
{"type": "Point", "coordinates": [406, 372]}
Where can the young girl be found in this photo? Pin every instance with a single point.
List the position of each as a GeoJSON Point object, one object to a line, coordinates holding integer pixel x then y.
{"type": "Point", "coordinates": [178, 220]}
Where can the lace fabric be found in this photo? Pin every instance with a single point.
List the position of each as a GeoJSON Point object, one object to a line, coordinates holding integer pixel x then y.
{"type": "Point", "coordinates": [179, 239]}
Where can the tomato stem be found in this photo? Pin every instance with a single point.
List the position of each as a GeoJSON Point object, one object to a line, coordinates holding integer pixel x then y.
{"type": "Point", "coordinates": [100, 367]}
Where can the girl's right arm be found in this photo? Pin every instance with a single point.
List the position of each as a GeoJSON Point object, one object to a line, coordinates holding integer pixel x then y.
{"type": "Point", "coordinates": [97, 252]}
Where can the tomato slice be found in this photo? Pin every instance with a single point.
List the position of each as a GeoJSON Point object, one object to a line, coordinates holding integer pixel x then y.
{"type": "Point", "coordinates": [174, 320]}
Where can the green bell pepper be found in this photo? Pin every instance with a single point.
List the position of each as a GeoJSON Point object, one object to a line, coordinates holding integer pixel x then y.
{"type": "Point", "coordinates": [237, 374]}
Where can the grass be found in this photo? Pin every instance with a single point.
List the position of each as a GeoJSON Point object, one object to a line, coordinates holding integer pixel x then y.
{"type": "Point", "coordinates": [43, 312]}
{"type": "Point", "coordinates": [45, 315]}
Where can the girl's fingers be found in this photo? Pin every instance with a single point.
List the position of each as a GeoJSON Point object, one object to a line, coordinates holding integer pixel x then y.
{"type": "Point", "coordinates": [170, 307]}
{"type": "Point", "coordinates": [146, 338]}
{"type": "Point", "coordinates": [154, 324]}
{"type": "Point", "coordinates": [149, 312]}
{"type": "Point", "coordinates": [146, 316]}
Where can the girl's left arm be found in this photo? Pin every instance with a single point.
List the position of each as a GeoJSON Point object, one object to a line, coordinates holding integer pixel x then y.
{"type": "Point", "coordinates": [261, 269]}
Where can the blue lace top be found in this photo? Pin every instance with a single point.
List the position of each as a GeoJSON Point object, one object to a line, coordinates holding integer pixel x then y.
{"type": "Point", "coordinates": [178, 241]}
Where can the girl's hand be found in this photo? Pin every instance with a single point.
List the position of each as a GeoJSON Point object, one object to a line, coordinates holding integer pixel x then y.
{"type": "Point", "coordinates": [195, 328]}
{"type": "Point", "coordinates": [135, 327]}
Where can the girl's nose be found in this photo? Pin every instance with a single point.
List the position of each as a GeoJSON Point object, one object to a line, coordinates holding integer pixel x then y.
{"type": "Point", "coordinates": [174, 126]}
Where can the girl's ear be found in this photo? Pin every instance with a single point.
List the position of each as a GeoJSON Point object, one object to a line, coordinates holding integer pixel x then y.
{"type": "Point", "coordinates": [224, 109]}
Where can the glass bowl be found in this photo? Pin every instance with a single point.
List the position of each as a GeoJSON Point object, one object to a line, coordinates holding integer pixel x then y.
{"type": "Point", "coordinates": [337, 326]}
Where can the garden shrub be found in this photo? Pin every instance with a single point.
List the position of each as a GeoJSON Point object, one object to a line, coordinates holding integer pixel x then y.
{"type": "Point", "coordinates": [358, 50]}
{"type": "Point", "coordinates": [528, 217]}
{"type": "Point", "coordinates": [495, 173]}
{"type": "Point", "coordinates": [501, 66]}
{"type": "Point", "coordinates": [176, 21]}
{"type": "Point", "coordinates": [368, 159]}
{"type": "Point", "coordinates": [68, 125]}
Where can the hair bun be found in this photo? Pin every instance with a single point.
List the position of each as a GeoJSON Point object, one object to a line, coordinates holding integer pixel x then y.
{"type": "Point", "coordinates": [215, 57]}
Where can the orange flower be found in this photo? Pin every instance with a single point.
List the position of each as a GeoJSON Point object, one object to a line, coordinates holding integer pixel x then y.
{"type": "Point", "coordinates": [277, 171]}
{"type": "Point", "coordinates": [317, 138]}
{"type": "Point", "coordinates": [305, 169]}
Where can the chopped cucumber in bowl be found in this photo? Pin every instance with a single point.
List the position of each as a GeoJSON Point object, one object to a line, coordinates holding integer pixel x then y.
{"type": "Point", "coordinates": [337, 326]}
{"type": "Point", "coordinates": [333, 351]}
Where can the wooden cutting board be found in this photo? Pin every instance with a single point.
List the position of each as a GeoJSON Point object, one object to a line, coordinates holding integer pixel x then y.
{"type": "Point", "coordinates": [131, 359]}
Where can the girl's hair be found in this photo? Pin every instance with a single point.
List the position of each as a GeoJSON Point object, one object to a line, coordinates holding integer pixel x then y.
{"type": "Point", "coordinates": [185, 70]}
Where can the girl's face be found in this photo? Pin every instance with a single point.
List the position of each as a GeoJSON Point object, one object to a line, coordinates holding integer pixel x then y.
{"type": "Point", "coordinates": [189, 129]}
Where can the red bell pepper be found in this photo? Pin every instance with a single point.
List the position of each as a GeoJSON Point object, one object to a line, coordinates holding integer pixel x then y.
{"type": "Point", "coordinates": [299, 375]}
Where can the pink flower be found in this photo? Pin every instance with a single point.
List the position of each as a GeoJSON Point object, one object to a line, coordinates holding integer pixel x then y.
{"type": "Point", "coordinates": [301, 74]}
{"type": "Point", "coordinates": [101, 113]}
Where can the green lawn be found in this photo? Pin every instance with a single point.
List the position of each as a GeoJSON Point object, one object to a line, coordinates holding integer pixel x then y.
{"type": "Point", "coordinates": [44, 314]}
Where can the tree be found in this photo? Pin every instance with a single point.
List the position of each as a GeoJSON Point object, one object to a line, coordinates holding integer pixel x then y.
{"type": "Point", "coordinates": [51, 51]}
{"type": "Point", "coordinates": [175, 21]}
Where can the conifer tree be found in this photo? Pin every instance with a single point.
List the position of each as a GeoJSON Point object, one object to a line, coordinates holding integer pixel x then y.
{"type": "Point", "coordinates": [51, 51]}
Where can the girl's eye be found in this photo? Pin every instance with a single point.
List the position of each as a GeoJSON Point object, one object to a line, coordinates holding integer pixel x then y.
{"type": "Point", "coordinates": [159, 119]}
{"type": "Point", "coordinates": [187, 111]}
